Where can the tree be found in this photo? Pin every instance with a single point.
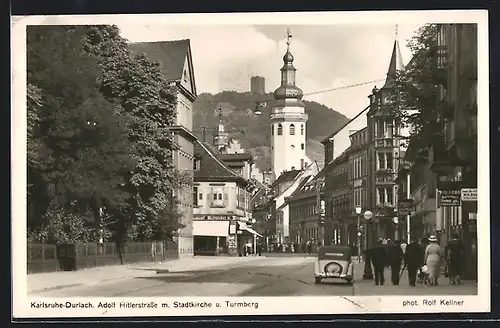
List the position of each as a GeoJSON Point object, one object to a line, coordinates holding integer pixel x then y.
{"type": "Point", "coordinates": [417, 98]}
{"type": "Point", "coordinates": [137, 85]}
{"type": "Point", "coordinates": [77, 140]}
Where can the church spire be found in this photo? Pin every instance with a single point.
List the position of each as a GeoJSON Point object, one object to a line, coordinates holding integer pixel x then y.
{"type": "Point", "coordinates": [396, 63]}
{"type": "Point", "coordinates": [288, 91]}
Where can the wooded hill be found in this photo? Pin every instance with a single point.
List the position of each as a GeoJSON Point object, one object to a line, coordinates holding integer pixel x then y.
{"type": "Point", "coordinates": [254, 131]}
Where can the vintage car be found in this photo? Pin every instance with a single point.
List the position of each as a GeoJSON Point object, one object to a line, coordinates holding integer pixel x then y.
{"type": "Point", "coordinates": [334, 262]}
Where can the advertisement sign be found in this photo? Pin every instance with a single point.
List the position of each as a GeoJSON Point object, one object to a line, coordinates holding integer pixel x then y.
{"type": "Point", "coordinates": [469, 194]}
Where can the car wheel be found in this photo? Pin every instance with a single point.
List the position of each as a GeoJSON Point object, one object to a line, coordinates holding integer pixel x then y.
{"type": "Point", "coordinates": [317, 280]}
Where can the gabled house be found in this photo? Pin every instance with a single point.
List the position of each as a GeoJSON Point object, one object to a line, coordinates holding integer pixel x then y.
{"type": "Point", "coordinates": [177, 67]}
{"type": "Point", "coordinates": [222, 205]}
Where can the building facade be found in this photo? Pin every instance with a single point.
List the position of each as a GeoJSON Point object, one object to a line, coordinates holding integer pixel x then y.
{"type": "Point", "coordinates": [177, 68]}
{"type": "Point", "coordinates": [453, 153]}
{"type": "Point", "coordinates": [307, 212]}
{"type": "Point", "coordinates": [384, 149]}
{"type": "Point", "coordinates": [358, 179]}
{"type": "Point", "coordinates": [222, 206]}
{"type": "Point", "coordinates": [338, 202]}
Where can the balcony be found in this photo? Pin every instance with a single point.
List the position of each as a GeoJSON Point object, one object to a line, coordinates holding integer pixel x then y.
{"type": "Point", "coordinates": [384, 180]}
{"type": "Point", "coordinates": [441, 65]}
{"type": "Point", "coordinates": [218, 204]}
{"type": "Point", "coordinates": [384, 142]}
{"type": "Point", "coordinates": [384, 172]}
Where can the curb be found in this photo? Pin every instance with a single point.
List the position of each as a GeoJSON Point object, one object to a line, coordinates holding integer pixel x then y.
{"type": "Point", "coordinates": [166, 270]}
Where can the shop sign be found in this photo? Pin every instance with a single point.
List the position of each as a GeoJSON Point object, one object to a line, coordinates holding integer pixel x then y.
{"type": "Point", "coordinates": [450, 199]}
{"type": "Point", "coordinates": [469, 194]}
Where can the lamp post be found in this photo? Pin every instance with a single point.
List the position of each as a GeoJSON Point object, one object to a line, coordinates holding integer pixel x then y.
{"type": "Point", "coordinates": [368, 273]}
{"type": "Point", "coordinates": [254, 239]}
{"type": "Point", "coordinates": [358, 234]}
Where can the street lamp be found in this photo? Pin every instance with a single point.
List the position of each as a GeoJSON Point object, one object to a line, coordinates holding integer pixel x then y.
{"type": "Point", "coordinates": [358, 212]}
{"type": "Point", "coordinates": [367, 274]}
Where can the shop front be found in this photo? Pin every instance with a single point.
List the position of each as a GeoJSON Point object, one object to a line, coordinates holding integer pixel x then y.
{"type": "Point", "coordinates": [211, 237]}
{"type": "Point", "coordinates": [247, 238]}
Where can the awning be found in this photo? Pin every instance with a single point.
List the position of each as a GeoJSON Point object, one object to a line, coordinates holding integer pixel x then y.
{"type": "Point", "coordinates": [250, 230]}
{"type": "Point", "coordinates": [211, 228]}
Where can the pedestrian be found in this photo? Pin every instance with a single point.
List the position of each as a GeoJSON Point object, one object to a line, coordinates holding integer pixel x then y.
{"type": "Point", "coordinates": [394, 257]}
{"type": "Point", "coordinates": [309, 247]}
{"type": "Point", "coordinates": [413, 260]}
{"type": "Point", "coordinates": [455, 256]}
{"type": "Point", "coordinates": [433, 260]}
{"type": "Point", "coordinates": [379, 261]}
{"type": "Point", "coordinates": [259, 248]}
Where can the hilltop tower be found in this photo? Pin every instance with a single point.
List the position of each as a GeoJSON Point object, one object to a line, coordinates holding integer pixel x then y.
{"type": "Point", "coordinates": [258, 85]}
{"type": "Point", "coordinates": [288, 120]}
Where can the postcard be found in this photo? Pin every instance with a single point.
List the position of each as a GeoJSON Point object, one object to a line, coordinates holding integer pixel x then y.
{"type": "Point", "coordinates": [250, 164]}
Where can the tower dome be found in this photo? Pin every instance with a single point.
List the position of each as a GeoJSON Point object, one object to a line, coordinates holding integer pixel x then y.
{"type": "Point", "coordinates": [288, 89]}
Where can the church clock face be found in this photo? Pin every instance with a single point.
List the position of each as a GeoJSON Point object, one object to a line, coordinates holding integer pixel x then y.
{"type": "Point", "coordinates": [291, 93]}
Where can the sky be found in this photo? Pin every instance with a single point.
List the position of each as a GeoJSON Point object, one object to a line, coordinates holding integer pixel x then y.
{"type": "Point", "coordinates": [326, 57]}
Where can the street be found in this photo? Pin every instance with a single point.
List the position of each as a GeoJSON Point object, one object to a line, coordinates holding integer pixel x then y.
{"type": "Point", "coordinates": [264, 276]}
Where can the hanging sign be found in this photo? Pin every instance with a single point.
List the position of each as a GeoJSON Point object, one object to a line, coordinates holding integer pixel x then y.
{"type": "Point", "coordinates": [469, 194]}
{"type": "Point", "coordinates": [450, 199]}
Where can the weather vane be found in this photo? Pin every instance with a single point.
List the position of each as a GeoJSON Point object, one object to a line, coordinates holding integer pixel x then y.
{"type": "Point", "coordinates": [396, 32]}
{"type": "Point", "coordinates": [288, 36]}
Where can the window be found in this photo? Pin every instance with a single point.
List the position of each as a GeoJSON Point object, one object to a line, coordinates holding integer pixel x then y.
{"type": "Point", "coordinates": [292, 129]}
{"type": "Point", "coordinates": [380, 161]}
{"type": "Point", "coordinates": [195, 196]}
{"type": "Point", "coordinates": [390, 196]}
{"type": "Point", "coordinates": [302, 146]}
{"type": "Point", "coordinates": [272, 129]}
{"type": "Point", "coordinates": [196, 165]}
{"type": "Point", "coordinates": [389, 160]}
{"type": "Point", "coordinates": [280, 129]}
{"type": "Point", "coordinates": [185, 76]}
{"type": "Point", "coordinates": [302, 129]}
{"type": "Point", "coordinates": [380, 196]}
{"type": "Point", "coordinates": [215, 196]}
{"type": "Point", "coordinates": [379, 129]}
{"type": "Point", "coordinates": [200, 196]}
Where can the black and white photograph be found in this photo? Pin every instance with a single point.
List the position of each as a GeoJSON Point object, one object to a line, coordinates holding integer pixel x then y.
{"type": "Point", "coordinates": [209, 163]}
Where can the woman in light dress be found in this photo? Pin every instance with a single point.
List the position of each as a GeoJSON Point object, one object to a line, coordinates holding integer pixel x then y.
{"type": "Point", "coordinates": [433, 260]}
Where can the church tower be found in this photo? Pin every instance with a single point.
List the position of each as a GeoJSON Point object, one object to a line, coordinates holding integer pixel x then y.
{"type": "Point", "coordinates": [221, 137]}
{"type": "Point", "coordinates": [288, 120]}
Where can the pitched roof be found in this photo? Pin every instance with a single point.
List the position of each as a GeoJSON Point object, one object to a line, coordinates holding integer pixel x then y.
{"type": "Point", "coordinates": [170, 54]}
{"type": "Point", "coordinates": [333, 134]}
{"type": "Point", "coordinates": [211, 167]}
{"type": "Point", "coordinates": [308, 187]}
{"type": "Point", "coordinates": [396, 64]}
{"type": "Point", "coordinates": [236, 157]}
{"type": "Point", "coordinates": [287, 176]}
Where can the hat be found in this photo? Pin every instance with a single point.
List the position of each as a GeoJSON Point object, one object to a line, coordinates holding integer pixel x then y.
{"type": "Point", "coordinates": [432, 239]}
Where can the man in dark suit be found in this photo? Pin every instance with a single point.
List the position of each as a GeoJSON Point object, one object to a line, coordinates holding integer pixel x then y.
{"type": "Point", "coordinates": [379, 260]}
{"type": "Point", "coordinates": [394, 257]}
{"type": "Point", "coordinates": [414, 260]}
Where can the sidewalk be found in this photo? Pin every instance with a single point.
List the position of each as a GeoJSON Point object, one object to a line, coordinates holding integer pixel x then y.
{"type": "Point", "coordinates": [41, 282]}
{"type": "Point", "coordinates": [368, 287]}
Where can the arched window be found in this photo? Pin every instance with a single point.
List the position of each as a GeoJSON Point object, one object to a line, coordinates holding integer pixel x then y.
{"type": "Point", "coordinates": [292, 129]}
{"type": "Point", "coordinates": [302, 129]}
{"type": "Point", "coordinates": [280, 129]}
{"type": "Point", "coordinates": [272, 129]}
{"type": "Point", "coordinates": [302, 146]}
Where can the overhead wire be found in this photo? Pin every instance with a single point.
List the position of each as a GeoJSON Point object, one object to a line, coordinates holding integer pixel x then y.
{"type": "Point", "coordinates": [216, 105]}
